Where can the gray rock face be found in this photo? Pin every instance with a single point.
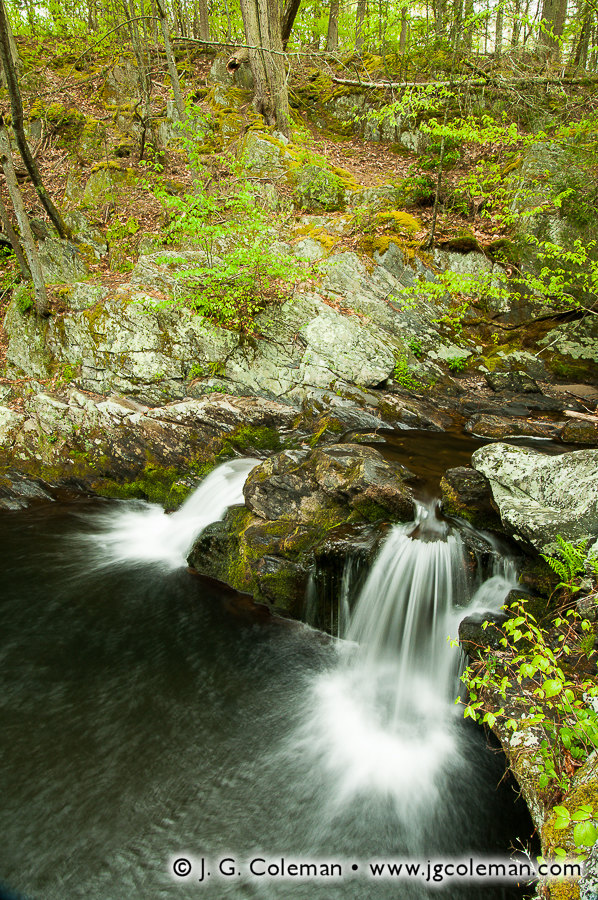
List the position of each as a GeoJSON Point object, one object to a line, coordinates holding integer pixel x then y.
{"type": "Point", "coordinates": [541, 496]}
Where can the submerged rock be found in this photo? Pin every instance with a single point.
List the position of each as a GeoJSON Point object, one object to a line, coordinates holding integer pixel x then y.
{"type": "Point", "coordinates": [538, 496]}
{"type": "Point", "coordinates": [500, 427]}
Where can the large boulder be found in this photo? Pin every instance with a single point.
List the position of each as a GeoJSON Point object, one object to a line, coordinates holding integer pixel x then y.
{"type": "Point", "coordinates": [466, 493]}
{"type": "Point", "coordinates": [301, 508]}
{"type": "Point", "coordinates": [539, 496]}
{"type": "Point", "coordinates": [302, 486]}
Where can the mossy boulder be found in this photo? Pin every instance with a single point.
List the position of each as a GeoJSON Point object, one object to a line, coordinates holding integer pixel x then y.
{"type": "Point", "coordinates": [315, 486]}
{"type": "Point", "coordinates": [119, 447]}
{"type": "Point", "coordinates": [318, 188]}
{"type": "Point", "coordinates": [264, 155]}
{"type": "Point", "coordinates": [105, 183]}
{"type": "Point", "coordinates": [297, 503]}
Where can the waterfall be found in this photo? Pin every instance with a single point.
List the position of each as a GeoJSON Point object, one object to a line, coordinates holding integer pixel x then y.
{"type": "Point", "coordinates": [135, 531]}
{"type": "Point", "coordinates": [385, 719]}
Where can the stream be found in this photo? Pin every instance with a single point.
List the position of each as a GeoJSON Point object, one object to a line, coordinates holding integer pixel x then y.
{"type": "Point", "coordinates": [148, 717]}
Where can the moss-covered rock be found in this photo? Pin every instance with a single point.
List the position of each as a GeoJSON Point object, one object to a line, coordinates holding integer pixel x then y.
{"type": "Point", "coordinates": [296, 502]}
{"type": "Point", "coordinates": [318, 188]}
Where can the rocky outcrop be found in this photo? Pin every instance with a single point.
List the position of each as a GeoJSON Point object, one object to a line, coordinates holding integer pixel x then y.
{"type": "Point", "coordinates": [539, 496]}
{"type": "Point", "coordinates": [118, 446]}
{"type": "Point", "coordinates": [301, 506]}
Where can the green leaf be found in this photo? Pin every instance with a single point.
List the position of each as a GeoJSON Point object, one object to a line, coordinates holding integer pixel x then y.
{"type": "Point", "coordinates": [585, 834]}
{"type": "Point", "coordinates": [563, 817]}
{"type": "Point", "coordinates": [552, 687]}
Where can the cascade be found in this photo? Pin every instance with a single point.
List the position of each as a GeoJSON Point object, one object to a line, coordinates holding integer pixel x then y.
{"type": "Point", "coordinates": [135, 531]}
{"type": "Point", "coordinates": [385, 720]}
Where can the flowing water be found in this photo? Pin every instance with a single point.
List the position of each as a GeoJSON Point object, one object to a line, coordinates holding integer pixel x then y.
{"type": "Point", "coordinates": [145, 717]}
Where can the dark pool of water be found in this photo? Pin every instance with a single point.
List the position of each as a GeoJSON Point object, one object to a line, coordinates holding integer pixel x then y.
{"type": "Point", "coordinates": [142, 719]}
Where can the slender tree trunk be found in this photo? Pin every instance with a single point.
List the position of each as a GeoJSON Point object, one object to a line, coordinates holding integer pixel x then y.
{"type": "Point", "coordinates": [288, 20]}
{"type": "Point", "coordinates": [262, 30]}
{"type": "Point", "coordinates": [42, 307]}
{"type": "Point", "coordinates": [14, 241]}
{"type": "Point", "coordinates": [332, 34]}
{"type": "Point", "coordinates": [439, 11]}
{"type": "Point", "coordinates": [170, 61]}
{"type": "Point", "coordinates": [516, 23]}
{"type": "Point", "coordinates": [16, 109]}
{"type": "Point", "coordinates": [204, 20]}
{"type": "Point", "coordinates": [404, 30]}
{"type": "Point", "coordinates": [581, 50]}
{"type": "Point", "coordinates": [468, 25]}
{"type": "Point", "coordinates": [359, 23]}
{"type": "Point", "coordinates": [143, 77]}
{"type": "Point", "coordinates": [229, 23]}
{"type": "Point", "coordinates": [499, 29]}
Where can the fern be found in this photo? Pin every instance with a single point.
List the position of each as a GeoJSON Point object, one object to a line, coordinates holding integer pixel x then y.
{"type": "Point", "coordinates": [571, 565]}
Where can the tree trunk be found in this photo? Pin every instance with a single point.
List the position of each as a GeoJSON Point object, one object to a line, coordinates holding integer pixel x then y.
{"type": "Point", "coordinates": [404, 30]}
{"type": "Point", "coordinates": [229, 22]}
{"type": "Point", "coordinates": [262, 31]}
{"type": "Point", "coordinates": [499, 29]}
{"type": "Point", "coordinates": [332, 34]}
{"type": "Point", "coordinates": [170, 61]}
{"type": "Point", "coordinates": [143, 77]}
{"type": "Point", "coordinates": [288, 20]}
{"type": "Point", "coordinates": [16, 109]}
{"type": "Point", "coordinates": [14, 241]}
{"type": "Point", "coordinates": [581, 51]}
{"type": "Point", "coordinates": [359, 22]}
{"type": "Point", "coordinates": [516, 23]}
{"type": "Point", "coordinates": [204, 20]}
{"type": "Point", "coordinates": [552, 23]}
{"type": "Point", "coordinates": [42, 307]}
{"type": "Point", "coordinates": [468, 25]}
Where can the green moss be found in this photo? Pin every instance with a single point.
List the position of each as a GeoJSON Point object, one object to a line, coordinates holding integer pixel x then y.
{"type": "Point", "coordinates": [23, 297]}
{"type": "Point", "coordinates": [318, 188]}
{"type": "Point", "coordinates": [400, 221]}
{"type": "Point", "coordinates": [66, 122]}
{"type": "Point", "coordinates": [252, 438]}
{"type": "Point", "coordinates": [369, 510]}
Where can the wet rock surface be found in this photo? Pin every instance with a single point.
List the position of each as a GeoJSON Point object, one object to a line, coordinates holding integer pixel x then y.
{"type": "Point", "coordinates": [302, 507]}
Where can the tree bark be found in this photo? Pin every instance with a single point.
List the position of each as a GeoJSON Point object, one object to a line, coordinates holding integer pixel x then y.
{"type": "Point", "coordinates": [359, 23]}
{"type": "Point", "coordinates": [204, 20]}
{"type": "Point", "coordinates": [170, 60]}
{"type": "Point", "coordinates": [262, 31]}
{"type": "Point", "coordinates": [332, 35]}
{"type": "Point", "coordinates": [552, 23]}
{"type": "Point", "coordinates": [42, 307]}
{"type": "Point", "coordinates": [404, 30]}
{"type": "Point", "coordinates": [580, 57]}
{"type": "Point", "coordinates": [14, 241]}
{"type": "Point", "coordinates": [16, 109]}
{"type": "Point", "coordinates": [499, 29]}
{"type": "Point", "coordinates": [288, 20]}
